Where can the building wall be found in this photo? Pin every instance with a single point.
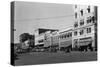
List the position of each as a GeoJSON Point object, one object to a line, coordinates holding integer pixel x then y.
{"type": "Point", "coordinates": [36, 36]}
{"type": "Point", "coordinates": [39, 38]}
{"type": "Point", "coordinates": [83, 21]}
{"type": "Point", "coordinates": [55, 39]}
{"type": "Point", "coordinates": [47, 39]}
{"type": "Point", "coordinates": [83, 27]}
{"type": "Point", "coordinates": [65, 37]}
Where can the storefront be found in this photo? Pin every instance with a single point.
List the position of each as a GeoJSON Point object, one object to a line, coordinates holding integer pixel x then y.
{"type": "Point", "coordinates": [85, 41]}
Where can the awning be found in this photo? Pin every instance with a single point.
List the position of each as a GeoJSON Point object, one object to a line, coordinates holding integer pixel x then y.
{"type": "Point", "coordinates": [65, 44]}
{"type": "Point", "coordinates": [84, 43]}
{"type": "Point", "coordinates": [88, 39]}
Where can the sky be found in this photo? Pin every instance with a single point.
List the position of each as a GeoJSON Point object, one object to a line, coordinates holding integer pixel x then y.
{"type": "Point", "coordinates": [29, 16]}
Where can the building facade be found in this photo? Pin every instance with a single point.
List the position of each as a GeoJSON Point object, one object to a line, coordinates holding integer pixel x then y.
{"type": "Point", "coordinates": [82, 35]}
{"type": "Point", "coordinates": [47, 40]}
{"type": "Point", "coordinates": [55, 39]}
{"type": "Point", "coordinates": [59, 39]}
{"type": "Point", "coordinates": [84, 26]}
{"type": "Point", "coordinates": [65, 38]}
{"type": "Point", "coordinates": [42, 35]}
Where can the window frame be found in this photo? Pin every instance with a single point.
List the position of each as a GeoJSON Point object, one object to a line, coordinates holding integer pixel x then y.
{"type": "Point", "coordinates": [75, 33]}
{"type": "Point", "coordinates": [82, 22]}
{"type": "Point", "coordinates": [81, 32]}
{"type": "Point", "coordinates": [81, 11]}
{"type": "Point", "coordinates": [88, 9]}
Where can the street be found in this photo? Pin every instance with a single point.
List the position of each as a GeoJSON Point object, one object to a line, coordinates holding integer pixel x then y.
{"type": "Point", "coordinates": [59, 57]}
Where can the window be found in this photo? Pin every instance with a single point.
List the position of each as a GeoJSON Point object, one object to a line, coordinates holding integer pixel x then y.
{"type": "Point", "coordinates": [76, 24]}
{"type": "Point", "coordinates": [40, 41]}
{"type": "Point", "coordinates": [75, 33]}
{"type": "Point", "coordinates": [81, 22]}
{"type": "Point", "coordinates": [75, 15]}
{"type": "Point", "coordinates": [75, 41]}
{"type": "Point", "coordinates": [61, 37]}
{"type": "Point", "coordinates": [81, 32]}
{"type": "Point", "coordinates": [68, 35]}
{"type": "Point", "coordinates": [89, 30]}
{"type": "Point", "coordinates": [81, 12]}
{"type": "Point", "coordinates": [89, 19]}
{"type": "Point", "coordinates": [88, 9]}
{"type": "Point", "coordinates": [65, 36]}
{"type": "Point", "coordinates": [71, 34]}
{"type": "Point", "coordinates": [75, 6]}
{"type": "Point", "coordinates": [93, 19]}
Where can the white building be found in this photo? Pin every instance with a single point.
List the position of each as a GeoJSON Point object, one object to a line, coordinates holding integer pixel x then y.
{"type": "Point", "coordinates": [47, 40]}
{"type": "Point", "coordinates": [39, 37]}
{"type": "Point", "coordinates": [84, 26]}
{"type": "Point", "coordinates": [41, 34]}
{"type": "Point", "coordinates": [65, 37]}
{"type": "Point", "coordinates": [55, 39]}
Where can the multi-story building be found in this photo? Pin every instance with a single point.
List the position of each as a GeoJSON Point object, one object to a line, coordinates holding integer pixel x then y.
{"type": "Point", "coordinates": [59, 39]}
{"type": "Point", "coordinates": [65, 38]}
{"type": "Point", "coordinates": [84, 26]}
{"type": "Point", "coordinates": [83, 33]}
{"type": "Point", "coordinates": [47, 40]}
{"type": "Point", "coordinates": [40, 36]}
{"type": "Point", "coordinates": [55, 39]}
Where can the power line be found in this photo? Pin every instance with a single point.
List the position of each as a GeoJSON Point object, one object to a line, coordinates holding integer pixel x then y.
{"type": "Point", "coordinates": [54, 17]}
{"type": "Point", "coordinates": [47, 18]}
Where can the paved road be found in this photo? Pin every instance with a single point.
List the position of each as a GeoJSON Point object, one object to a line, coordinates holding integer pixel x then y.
{"type": "Point", "coordinates": [45, 58]}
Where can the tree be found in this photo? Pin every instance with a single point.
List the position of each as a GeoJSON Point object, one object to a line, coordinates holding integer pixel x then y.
{"type": "Point", "coordinates": [23, 37]}
{"type": "Point", "coordinates": [26, 36]}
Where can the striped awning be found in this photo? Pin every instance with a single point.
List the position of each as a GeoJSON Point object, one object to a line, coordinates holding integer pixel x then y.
{"type": "Point", "coordinates": [85, 41]}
